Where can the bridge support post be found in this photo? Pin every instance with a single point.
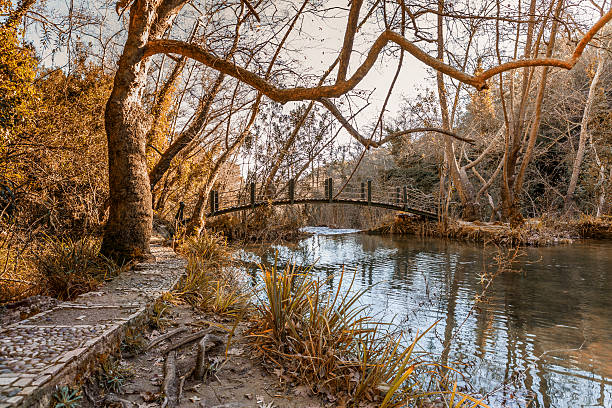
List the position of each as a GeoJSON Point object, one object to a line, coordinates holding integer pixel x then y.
{"type": "Point", "coordinates": [252, 195]}
{"type": "Point", "coordinates": [330, 189]}
{"type": "Point", "coordinates": [292, 191]}
{"type": "Point", "coordinates": [214, 202]}
{"type": "Point", "coordinates": [369, 192]}
{"type": "Point", "coordinates": [326, 194]}
{"type": "Point", "coordinates": [405, 197]}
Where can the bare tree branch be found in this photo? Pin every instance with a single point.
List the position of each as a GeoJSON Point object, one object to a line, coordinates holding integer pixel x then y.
{"type": "Point", "coordinates": [371, 143]}
{"type": "Point", "coordinates": [341, 87]}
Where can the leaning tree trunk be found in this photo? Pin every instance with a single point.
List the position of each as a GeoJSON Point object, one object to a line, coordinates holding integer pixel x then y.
{"type": "Point", "coordinates": [129, 224]}
{"type": "Point", "coordinates": [584, 134]}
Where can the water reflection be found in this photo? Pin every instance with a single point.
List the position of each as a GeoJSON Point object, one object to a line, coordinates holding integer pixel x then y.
{"type": "Point", "coordinates": [544, 334]}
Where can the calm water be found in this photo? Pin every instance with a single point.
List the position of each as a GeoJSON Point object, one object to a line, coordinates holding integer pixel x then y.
{"type": "Point", "coordinates": [545, 332]}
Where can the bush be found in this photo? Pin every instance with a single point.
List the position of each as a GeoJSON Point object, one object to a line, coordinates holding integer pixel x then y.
{"type": "Point", "coordinates": [209, 282]}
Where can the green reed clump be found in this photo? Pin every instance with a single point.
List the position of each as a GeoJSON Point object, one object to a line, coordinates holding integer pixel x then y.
{"type": "Point", "coordinates": [112, 375]}
{"type": "Point", "coordinates": [67, 397]}
{"type": "Point", "coordinates": [325, 339]}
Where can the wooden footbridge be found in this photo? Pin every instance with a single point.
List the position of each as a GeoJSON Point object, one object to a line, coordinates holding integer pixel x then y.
{"type": "Point", "coordinates": [393, 198]}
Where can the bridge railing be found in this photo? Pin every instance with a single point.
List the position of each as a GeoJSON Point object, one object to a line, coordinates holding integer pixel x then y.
{"type": "Point", "coordinates": [364, 192]}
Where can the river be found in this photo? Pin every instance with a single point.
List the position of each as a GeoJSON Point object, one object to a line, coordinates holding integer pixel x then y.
{"type": "Point", "coordinates": [541, 336]}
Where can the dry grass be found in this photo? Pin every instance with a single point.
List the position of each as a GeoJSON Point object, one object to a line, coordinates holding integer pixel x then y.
{"type": "Point", "coordinates": [62, 268]}
{"type": "Point", "coordinates": [589, 226]}
{"type": "Point", "coordinates": [19, 277]}
{"type": "Point", "coordinates": [324, 339]}
{"type": "Point", "coordinates": [72, 267]}
{"type": "Point", "coordinates": [210, 283]}
{"type": "Point", "coordinates": [534, 232]}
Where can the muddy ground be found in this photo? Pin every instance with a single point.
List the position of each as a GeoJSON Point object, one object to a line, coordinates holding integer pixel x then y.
{"type": "Point", "coordinates": [238, 379]}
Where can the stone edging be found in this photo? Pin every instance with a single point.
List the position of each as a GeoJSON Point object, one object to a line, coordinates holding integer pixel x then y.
{"type": "Point", "coordinates": [62, 345]}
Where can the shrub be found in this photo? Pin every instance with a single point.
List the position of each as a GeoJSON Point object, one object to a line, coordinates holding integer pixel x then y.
{"type": "Point", "coordinates": [67, 397]}
{"type": "Point", "coordinates": [210, 283]}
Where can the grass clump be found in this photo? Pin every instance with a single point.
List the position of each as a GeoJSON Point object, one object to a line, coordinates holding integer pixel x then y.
{"type": "Point", "coordinates": [325, 339]}
{"type": "Point", "coordinates": [133, 342]}
{"type": "Point", "coordinates": [112, 376]}
{"type": "Point", "coordinates": [210, 283]}
{"type": "Point", "coordinates": [72, 267]}
{"type": "Point", "coordinates": [157, 318]}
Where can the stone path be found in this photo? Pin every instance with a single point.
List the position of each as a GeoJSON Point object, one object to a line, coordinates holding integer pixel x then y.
{"type": "Point", "coordinates": [60, 346]}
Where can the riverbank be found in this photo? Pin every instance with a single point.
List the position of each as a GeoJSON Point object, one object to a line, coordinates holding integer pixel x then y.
{"type": "Point", "coordinates": [534, 232]}
{"type": "Point", "coordinates": [186, 358]}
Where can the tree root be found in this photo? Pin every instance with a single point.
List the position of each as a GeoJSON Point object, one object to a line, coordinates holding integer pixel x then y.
{"type": "Point", "coordinates": [209, 342]}
{"type": "Point", "coordinates": [165, 336]}
{"type": "Point", "coordinates": [189, 339]}
{"type": "Point", "coordinates": [170, 386]}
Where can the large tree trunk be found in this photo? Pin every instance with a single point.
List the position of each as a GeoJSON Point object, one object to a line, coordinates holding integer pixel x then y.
{"type": "Point", "coordinates": [129, 225]}
{"type": "Point", "coordinates": [128, 229]}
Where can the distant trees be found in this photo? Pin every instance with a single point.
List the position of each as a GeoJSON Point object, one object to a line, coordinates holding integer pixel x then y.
{"type": "Point", "coordinates": [572, 142]}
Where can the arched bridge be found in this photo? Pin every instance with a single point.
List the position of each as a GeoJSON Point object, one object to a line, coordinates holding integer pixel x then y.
{"type": "Point", "coordinates": [365, 193]}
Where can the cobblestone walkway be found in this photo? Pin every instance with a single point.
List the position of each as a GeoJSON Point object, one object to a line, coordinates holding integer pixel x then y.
{"type": "Point", "coordinates": [57, 346]}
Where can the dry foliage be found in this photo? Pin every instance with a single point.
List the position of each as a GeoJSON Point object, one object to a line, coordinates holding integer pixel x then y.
{"type": "Point", "coordinates": [69, 267]}
{"type": "Point", "coordinates": [534, 232]}
{"type": "Point", "coordinates": [265, 224]}
{"type": "Point", "coordinates": [325, 339]}
{"type": "Point", "coordinates": [210, 283]}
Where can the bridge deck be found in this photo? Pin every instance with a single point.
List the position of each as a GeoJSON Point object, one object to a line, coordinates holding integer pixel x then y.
{"type": "Point", "coordinates": [397, 207]}
{"type": "Point", "coordinates": [364, 194]}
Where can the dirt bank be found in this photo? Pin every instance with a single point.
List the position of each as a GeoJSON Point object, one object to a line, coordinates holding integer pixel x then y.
{"type": "Point", "coordinates": [534, 232]}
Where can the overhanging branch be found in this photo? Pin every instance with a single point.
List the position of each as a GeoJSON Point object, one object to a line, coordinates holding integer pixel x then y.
{"type": "Point", "coordinates": [341, 87]}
